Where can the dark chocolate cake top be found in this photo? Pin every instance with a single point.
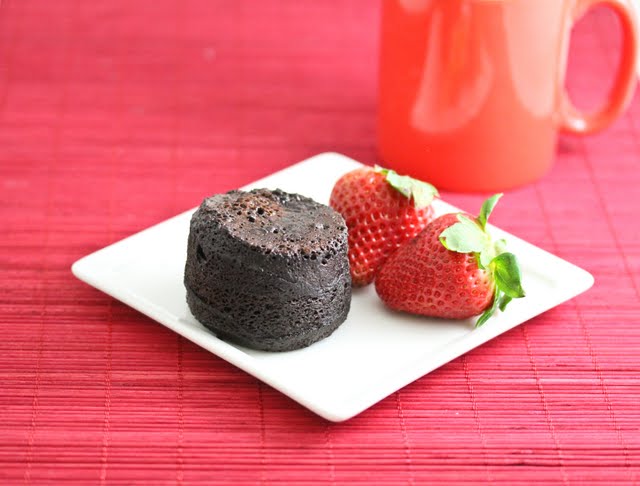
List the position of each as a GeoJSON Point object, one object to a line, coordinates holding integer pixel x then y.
{"type": "Point", "coordinates": [278, 222]}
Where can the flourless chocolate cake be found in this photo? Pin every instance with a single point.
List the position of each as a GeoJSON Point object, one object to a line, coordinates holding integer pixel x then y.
{"type": "Point", "coordinates": [267, 269]}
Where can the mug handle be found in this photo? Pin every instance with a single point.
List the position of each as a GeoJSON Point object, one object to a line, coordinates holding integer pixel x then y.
{"type": "Point", "coordinates": [573, 120]}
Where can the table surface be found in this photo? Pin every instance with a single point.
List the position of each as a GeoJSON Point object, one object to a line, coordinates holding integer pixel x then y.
{"type": "Point", "coordinates": [117, 115]}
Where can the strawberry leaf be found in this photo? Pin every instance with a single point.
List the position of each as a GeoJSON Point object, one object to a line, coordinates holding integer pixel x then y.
{"type": "Point", "coordinates": [486, 257]}
{"type": "Point", "coordinates": [465, 237]}
{"type": "Point", "coordinates": [421, 192]}
{"type": "Point", "coordinates": [506, 273]}
{"type": "Point", "coordinates": [504, 300]}
{"type": "Point", "coordinates": [484, 317]}
{"type": "Point", "coordinates": [500, 246]}
{"type": "Point", "coordinates": [487, 208]}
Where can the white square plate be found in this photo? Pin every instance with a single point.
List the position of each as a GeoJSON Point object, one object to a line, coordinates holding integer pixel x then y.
{"type": "Point", "coordinates": [373, 354]}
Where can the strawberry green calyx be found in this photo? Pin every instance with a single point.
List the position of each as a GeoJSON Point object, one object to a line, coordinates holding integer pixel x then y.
{"type": "Point", "coordinates": [470, 236]}
{"type": "Point", "coordinates": [506, 274]}
{"type": "Point", "coordinates": [421, 192]}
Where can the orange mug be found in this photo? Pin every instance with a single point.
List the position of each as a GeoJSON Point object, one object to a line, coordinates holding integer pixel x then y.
{"type": "Point", "coordinates": [471, 92]}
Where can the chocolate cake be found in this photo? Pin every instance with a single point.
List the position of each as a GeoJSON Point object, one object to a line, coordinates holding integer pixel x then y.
{"type": "Point", "coordinates": [267, 269]}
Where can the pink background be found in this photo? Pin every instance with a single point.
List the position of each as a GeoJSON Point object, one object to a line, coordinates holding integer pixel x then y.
{"type": "Point", "coordinates": [116, 115]}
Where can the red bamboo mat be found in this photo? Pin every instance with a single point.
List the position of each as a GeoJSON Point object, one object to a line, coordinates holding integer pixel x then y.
{"type": "Point", "coordinates": [116, 115]}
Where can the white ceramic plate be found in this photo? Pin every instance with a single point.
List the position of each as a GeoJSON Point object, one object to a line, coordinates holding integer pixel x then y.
{"type": "Point", "coordinates": [373, 354]}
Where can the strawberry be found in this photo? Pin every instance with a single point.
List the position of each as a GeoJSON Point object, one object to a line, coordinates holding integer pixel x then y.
{"type": "Point", "coordinates": [382, 210]}
{"type": "Point", "coordinates": [452, 269]}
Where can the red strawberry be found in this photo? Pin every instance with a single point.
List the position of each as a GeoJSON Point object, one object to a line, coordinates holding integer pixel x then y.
{"type": "Point", "coordinates": [452, 269]}
{"type": "Point", "coordinates": [382, 210]}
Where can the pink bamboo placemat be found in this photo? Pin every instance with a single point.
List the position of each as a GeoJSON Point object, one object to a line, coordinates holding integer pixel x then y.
{"type": "Point", "coordinates": [116, 115]}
